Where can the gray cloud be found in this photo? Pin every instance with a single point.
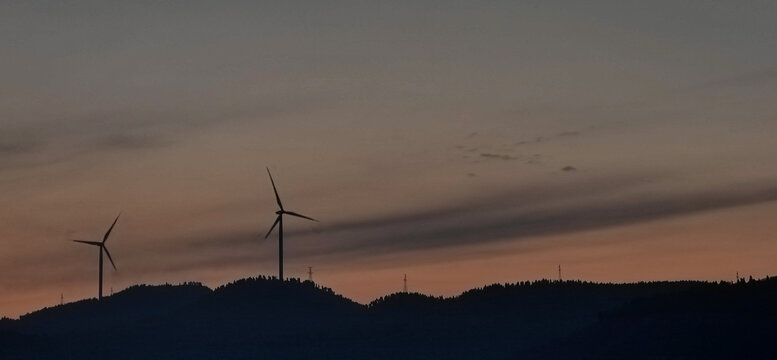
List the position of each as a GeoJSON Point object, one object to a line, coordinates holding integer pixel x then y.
{"type": "Point", "coordinates": [532, 196]}
{"type": "Point", "coordinates": [534, 211]}
{"type": "Point", "coordinates": [56, 140]}
{"type": "Point", "coordinates": [498, 156]}
{"type": "Point", "coordinates": [568, 133]}
{"type": "Point", "coordinates": [479, 222]}
{"type": "Point", "coordinates": [16, 148]}
{"type": "Point", "coordinates": [531, 159]}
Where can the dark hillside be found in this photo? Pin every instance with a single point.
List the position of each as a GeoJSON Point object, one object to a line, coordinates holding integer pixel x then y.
{"type": "Point", "coordinates": [266, 318]}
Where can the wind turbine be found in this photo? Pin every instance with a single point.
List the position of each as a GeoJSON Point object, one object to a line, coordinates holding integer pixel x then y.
{"type": "Point", "coordinates": [102, 249]}
{"type": "Point", "coordinates": [279, 222]}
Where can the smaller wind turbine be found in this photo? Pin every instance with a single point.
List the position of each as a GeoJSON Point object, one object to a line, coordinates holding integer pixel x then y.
{"type": "Point", "coordinates": [102, 247]}
{"type": "Point", "coordinates": [279, 222]}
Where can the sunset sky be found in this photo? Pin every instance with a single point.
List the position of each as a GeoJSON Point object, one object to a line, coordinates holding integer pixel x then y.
{"type": "Point", "coordinates": [460, 143]}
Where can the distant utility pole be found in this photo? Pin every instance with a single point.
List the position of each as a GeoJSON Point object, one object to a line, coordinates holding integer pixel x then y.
{"type": "Point", "coordinates": [310, 273]}
{"type": "Point", "coordinates": [559, 272]}
{"type": "Point", "coordinates": [405, 287]}
{"type": "Point", "coordinates": [62, 298]}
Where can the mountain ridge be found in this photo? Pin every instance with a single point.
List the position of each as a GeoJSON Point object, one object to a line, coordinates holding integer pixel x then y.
{"type": "Point", "coordinates": [264, 317]}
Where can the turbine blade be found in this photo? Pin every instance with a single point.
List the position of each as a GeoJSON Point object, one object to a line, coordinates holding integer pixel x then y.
{"type": "Point", "coordinates": [111, 229]}
{"type": "Point", "coordinates": [299, 215]}
{"type": "Point", "coordinates": [109, 257]}
{"type": "Point", "coordinates": [88, 242]}
{"type": "Point", "coordinates": [277, 220]}
{"type": "Point", "coordinates": [277, 198]}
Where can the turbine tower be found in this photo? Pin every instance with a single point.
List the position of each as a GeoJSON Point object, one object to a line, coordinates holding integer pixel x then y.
{"type": "Point", "coordinates": [279, 222]}
{"type": "Point", "coordinates": [102, 247]}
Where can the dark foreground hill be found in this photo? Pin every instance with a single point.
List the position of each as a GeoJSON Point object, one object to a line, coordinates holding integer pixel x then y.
{"type": "Point", "coordinates": [263, 318]}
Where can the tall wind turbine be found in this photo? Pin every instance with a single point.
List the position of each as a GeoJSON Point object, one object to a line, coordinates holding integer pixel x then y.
{"type": "Point", "coordinates": [279, 222]}
{"type": "Point", "coordinates": [102, 247]}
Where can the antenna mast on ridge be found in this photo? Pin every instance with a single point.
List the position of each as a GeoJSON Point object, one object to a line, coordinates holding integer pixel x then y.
{"type": "Point", "coordinates": [559, 272]}
{"type": "Point", "coordinates": [405, 287]}
{"type": "Point", "coordinates": [310, 273]}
